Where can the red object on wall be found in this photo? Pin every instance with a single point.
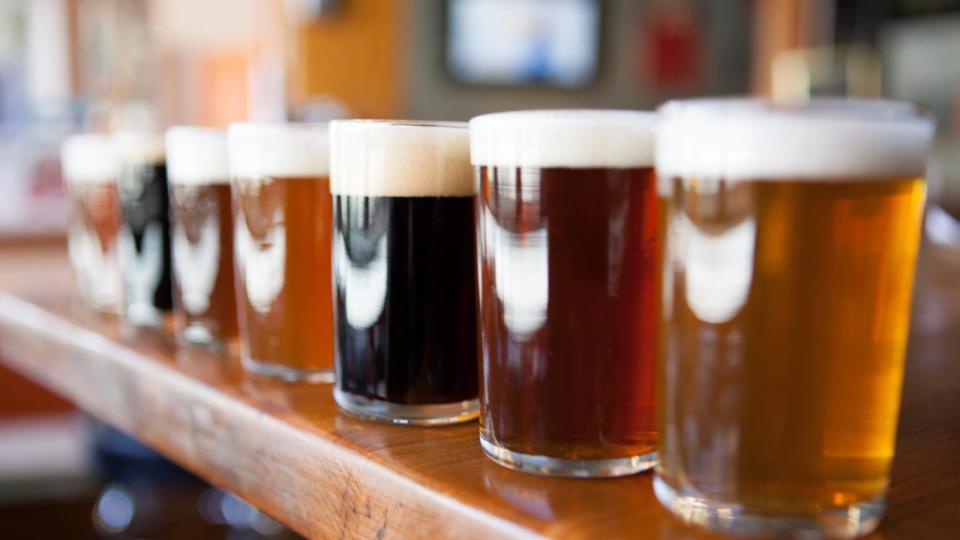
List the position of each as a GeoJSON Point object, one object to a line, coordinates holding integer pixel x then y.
{"type": "Point", "coordinates": [673, 44]}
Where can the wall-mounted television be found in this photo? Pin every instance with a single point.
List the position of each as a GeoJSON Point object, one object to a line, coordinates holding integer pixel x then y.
{"type": "Point", "coordinates": [523, 42]}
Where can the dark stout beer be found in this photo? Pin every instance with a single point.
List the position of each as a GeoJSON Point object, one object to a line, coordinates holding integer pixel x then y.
{"type": "Point", "coordinates": [404, 271]}
{"type": "Point", "coordinates": [90, 169]}
{"type": "Point", "coordinates": [206, 310]}
{"type": "Point", "coordinates": [282, 238]}
{"type": "Point", "coordinates": [145, 228]}
{"type": "Point", "coordinates": [568, 290]}
{"type": "Point", "coordinates": [789, 263]}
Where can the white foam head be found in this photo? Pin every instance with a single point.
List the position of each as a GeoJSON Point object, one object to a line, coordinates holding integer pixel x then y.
{"type": "Point", "coordinates": [197, 156]}
{"type": "Point", "coordinates": [279, 150]}
{"type": "Point", "coordinates": [88, 158]}
{"type": "Point", "coordinates": [828, 138]}
{"type": "Point", "coordinates": [563, 138]}
{"type": "Point", "coordinates": [139, 147]}
{"type": "Point", "coordinates": [400, 159]}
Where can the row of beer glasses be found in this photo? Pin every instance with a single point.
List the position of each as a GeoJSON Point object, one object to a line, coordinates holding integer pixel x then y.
{"type": "Point", "coordinates": [734, 273]}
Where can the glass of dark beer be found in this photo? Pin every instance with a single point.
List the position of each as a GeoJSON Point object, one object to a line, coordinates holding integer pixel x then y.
{"type": "Point", "coordinates": [90, 170]}
{"type": "Point", "coordinates": [568, 290]}
{"type": "Point", "coordinates": [145, 259]}
{"type": "Point", "coordinates": [205, 310]}
{"type": "Point", "coordinates": [790, 236]}
{"type": "Point", "coordinates": [282, 215]}
{"type": "Point", "coordinates": [404, 271]}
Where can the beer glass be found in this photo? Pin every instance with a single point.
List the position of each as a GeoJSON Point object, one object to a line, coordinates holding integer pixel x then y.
{"type": "Point", "coordinates": [90, 170]}
{"type": "Point", "coordinates": [568, 290]}
{"type": "Point", "coordinates": [790, 236]}
{"type": "Point", "coordinates": [205, 311]}
{"type": "Point", "coordinates": [145, 261]}
{"type": "Point", "coordinates": [404, 271]}
{"type": "Point", "coordinates": [282, 243]}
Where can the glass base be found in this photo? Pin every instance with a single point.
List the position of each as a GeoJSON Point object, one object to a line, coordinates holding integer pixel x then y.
{"type": "Point", "coordinates": [575, 468]}
{"type": "Point", "coordinates": [843, 522]}
{"type": "Point", "coordinates": [398, 413]}
{"type": "Point", "coordinates": [142, 316]}
{"type": "Point", "coordinates": [287, 373]}
{"type": "Point", "coordinates": [202, 337]}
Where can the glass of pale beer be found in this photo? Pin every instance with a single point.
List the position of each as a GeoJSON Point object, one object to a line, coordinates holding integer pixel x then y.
{"type": "Point", "coordinates": [282, 230]}
{"type": "Point", "coordinates": [790, 238]}
{"type": "Point", "coordinates": [567, 236]}
{"type": "Point", "coordinates": [89, 167]}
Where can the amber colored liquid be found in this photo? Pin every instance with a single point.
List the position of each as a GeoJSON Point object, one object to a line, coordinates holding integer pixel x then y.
{"type": "Point", "coordinates": [284, 287]}
{"type": "Point", "coordinates": [203, 259]}
{"type": "Point", "coordinates": [568, 309]}
{"type": "Point", "coordinates": [786, 314]}
{"type": "Point", "coordinates": [94, 226]}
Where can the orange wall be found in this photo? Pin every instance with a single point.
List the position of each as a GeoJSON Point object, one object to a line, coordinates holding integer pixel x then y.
{"type": "Point", "coordinates": [354, 55]}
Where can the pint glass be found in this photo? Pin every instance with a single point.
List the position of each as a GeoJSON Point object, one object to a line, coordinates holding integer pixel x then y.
{"type": "Point", "coordinates": [568, 290]}
{"type": "Point", "coordinates": [404, 271]}
{"type": "Point", "coordinates": [790, 237]}
{"type": "Point", "coordinates": [145, 259]}
{"type": "Point", "coordinates": [90, 171]}
{"type": "Point", "coordinates": [282, 242]}
{"type": "Point", "coordinates": [205, 310]}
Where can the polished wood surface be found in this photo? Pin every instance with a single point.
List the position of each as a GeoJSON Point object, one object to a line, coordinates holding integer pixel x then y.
{"type": "Point", "coordinates": [288, 450]}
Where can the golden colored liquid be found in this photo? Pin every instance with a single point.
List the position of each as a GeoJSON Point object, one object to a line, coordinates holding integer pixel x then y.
{"type": "Point", "coordinates": [284, 286]}
{"type": "Point", "coordinates": [786, 312]}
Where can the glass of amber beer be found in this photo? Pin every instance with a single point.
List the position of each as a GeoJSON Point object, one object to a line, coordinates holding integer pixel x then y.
{"type": "Point", "coordinates": [404, 271]}
{"type": "Point", "coordinates": [790, 238]}
{"type": "Point", "coordinates": [281, 187]}
{"type": "Point", "coordinates": [205, 311]}
{"type": "Point", "coordinates": [568, 285]}
{"type": "Point", "coordinates": [90, 171]}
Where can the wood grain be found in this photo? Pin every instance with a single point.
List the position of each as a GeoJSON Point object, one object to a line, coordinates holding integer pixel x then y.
{"type": "Point", "coordinates": [288, 450]}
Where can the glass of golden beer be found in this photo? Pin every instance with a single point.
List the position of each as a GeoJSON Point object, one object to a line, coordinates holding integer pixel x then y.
{"type": "Point", "coordinates": [90, 170]}
{"type": "Point", "coordinates": [205, 309]}
{"type": "Point", "coordinates": [282, 229]}
{"type": "Point", "coordinates": [790, 238]}
{"type": "Point", "coordinates": [567, 217]}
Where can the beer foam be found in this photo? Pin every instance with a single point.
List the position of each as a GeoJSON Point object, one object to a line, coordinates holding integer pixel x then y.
{"type": "Point", "coordinates": [826, 139]}
{"type": "Point", "coordinates": [197, 156]}
{"type": "Point", "coordinates": [278, 150]}
{"type": "Point", "coordinates": [88, 158]}
{"type": "Point", "coordinates": [572, 138]}
{"type": "Point", "coordinates": [400, 159]}
{"type": "Point", "coordinates": [139, 147]}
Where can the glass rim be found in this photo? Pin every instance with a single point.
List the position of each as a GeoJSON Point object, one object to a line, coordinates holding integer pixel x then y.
{"type": "Point", "coordinates": [566, 116]}
{"type": "Point", "coordinates": [837, 108]}
{"type": "Point", "coordinates": [275, 126]}
{"type": "Point", "coordinates": [400, 123]}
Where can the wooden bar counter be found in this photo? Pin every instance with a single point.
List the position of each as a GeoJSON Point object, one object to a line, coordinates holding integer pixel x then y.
{"type": "Point", "coordinates": [286, 448]}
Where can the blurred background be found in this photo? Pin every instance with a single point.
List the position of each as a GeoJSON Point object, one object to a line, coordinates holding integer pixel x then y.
{"type": "Point", "coordinates": [98, 65]}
